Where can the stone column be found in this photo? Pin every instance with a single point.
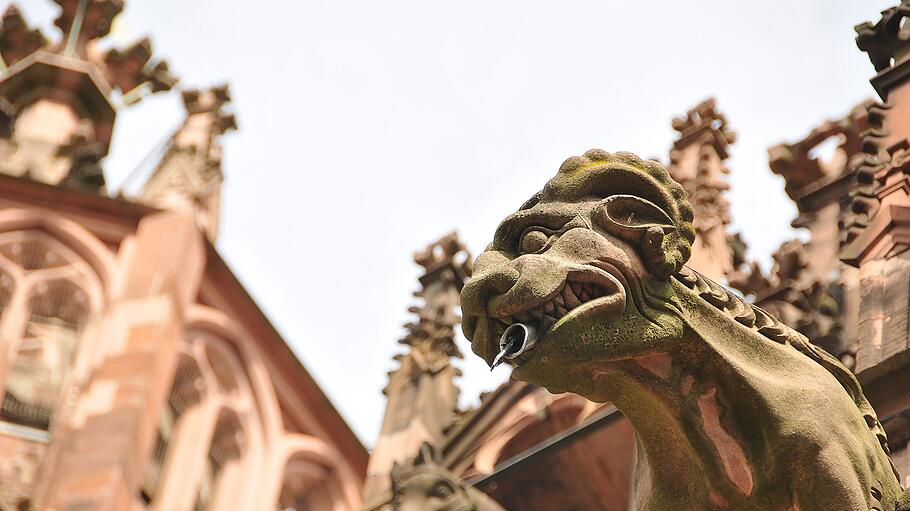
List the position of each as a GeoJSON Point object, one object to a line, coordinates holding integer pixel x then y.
{"type": "Point", "coordinates": [102, 443]}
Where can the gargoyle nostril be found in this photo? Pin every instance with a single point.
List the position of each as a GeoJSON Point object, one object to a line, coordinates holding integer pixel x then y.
{"type": "Point", "coordinates": [469, 326]}
{"type": "Point", "coordinates": [502, 280]}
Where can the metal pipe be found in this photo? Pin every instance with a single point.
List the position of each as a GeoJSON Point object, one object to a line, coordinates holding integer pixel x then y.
{"type": "Point", "coordinates": [517, 339]}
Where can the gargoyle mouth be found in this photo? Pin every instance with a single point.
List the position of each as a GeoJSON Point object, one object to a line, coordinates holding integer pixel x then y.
{"type": "Point", "coordinates": [570, 296]}
{"type": "Point", "coordinates": [583, 289]}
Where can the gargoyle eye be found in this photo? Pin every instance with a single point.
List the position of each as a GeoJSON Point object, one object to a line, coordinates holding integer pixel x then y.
{"type": "Point", "coordinates": [442, 491]}
{"type": "Point", "coordinates": [533, 241]}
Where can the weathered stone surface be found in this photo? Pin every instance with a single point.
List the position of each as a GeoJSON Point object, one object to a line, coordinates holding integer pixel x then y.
{"type": "Point", "coordinates": [425, 485]}
{"type": "Point", "coordinates": [422, 395]}
{"type": "Point", "coordinates": [733, 409]}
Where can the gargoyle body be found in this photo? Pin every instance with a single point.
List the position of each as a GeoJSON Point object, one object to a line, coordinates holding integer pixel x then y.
{"type": "Point", "coordinates": [732, 409]}
{"type": "Point", "coordinates": [426, 485]}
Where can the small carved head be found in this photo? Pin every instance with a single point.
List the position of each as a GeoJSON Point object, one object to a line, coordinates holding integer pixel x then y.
{"type": "Point", "coordinates": [587, 261]}
{"type": "Point", "coordinates": [426, 485]}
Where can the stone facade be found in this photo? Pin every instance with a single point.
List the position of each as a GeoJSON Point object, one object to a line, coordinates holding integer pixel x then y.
{"type": "Point", "coordinates": [136, 372]}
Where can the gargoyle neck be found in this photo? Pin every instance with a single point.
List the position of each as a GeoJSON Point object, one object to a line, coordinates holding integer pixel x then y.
{"type": "Point", "coordinates": [700, 407]}
{"type": "Point", "coordinates": [692, 443]}
{"type": "Point", "coordinates": [713, 407]}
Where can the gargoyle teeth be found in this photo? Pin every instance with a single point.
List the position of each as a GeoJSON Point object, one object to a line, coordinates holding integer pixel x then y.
{"type": "Point", "coordinates": [557, 300]}
{"type": "Point", "coordinates": [549, 308]}
{"type": "Point", "coordinates": [573, 294]}
{"type": "Point", "coordinates": [582, 293]}
{"type": "Point", "coordinates": [568, 296]}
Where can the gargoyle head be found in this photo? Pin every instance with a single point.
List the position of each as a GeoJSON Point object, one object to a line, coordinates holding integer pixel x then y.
{"type": "Point", "coordinates": [425, 485]}
{"type": "Point", "coordinates": [586, 263]}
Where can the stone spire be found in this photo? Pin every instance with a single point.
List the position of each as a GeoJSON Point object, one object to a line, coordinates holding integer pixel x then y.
{"type": "Point", "coordinates": [57, 105]}
{"type": "Point", "coordinates": [808, 288]}
{"type": "Point", "coordinates": [188, 177]}
{"type": "Point", "coordinates": [697, 162]}
{"type": "Point", "coordinates": [422, 396]}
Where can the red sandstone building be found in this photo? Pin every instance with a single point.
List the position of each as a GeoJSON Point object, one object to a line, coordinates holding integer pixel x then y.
{"type": "Point", "coordinates": [136, 372]}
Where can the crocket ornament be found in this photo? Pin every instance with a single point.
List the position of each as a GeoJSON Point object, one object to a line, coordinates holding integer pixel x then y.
{"type": "Point", "coordinates": [584, 289]}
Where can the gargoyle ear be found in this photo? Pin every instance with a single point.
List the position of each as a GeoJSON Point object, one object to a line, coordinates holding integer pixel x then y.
{"type": "Point", "coordinates": [632, 218]}
{"type": "Point", "coordinates": [427, 455]}
{"type": "Point", "coordinates": [643, 224]}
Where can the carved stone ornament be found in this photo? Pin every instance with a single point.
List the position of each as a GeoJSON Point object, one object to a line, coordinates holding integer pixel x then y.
{"type": "Point", "coordinates": [886, 42]}
{"type": "Point", "coordinates": [795, 296]}
{"type": "Point", "coordinates": [733, 409]}
{"type": "Point", "coordinates": [426, 485]}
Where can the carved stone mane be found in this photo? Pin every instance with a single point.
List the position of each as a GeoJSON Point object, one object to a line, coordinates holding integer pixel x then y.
{"type": "Point", "coordinates": [754, 317]}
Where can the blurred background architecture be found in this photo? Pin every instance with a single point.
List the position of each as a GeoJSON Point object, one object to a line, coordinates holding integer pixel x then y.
{"type": "Point", "coordinates": [137, 373]}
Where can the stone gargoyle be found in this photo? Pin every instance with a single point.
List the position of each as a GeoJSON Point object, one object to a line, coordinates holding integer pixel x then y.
{"type": "Point", "coordinates": [424, 484]}
{"type": "Point", "coordinates": [732, 409]}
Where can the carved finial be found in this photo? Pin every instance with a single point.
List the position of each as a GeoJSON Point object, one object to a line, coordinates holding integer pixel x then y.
{"type": "Point", "coordinates": [886, 42]}
{"type": "Point", "coordinates": [82, 21]}
{"type": "Point", "coordinates": [446, 265]}
{"type": "Point", "coordinates": [697, 163]}
{"type": "Point", "coordinates": [189, 176]}
{"type": "Point", "coordinates": [53, 83]}
{"type": "Point", "coordinates": [214, 101]}
{"type": "Point", "coordinates": [704, 116]}
{"type": "Point", "coordinates": [800, 163]}
{"type": "Point", "coordinates": [443, 251]}
{"type": "Point", "coordinates": [129, 68]}
{"type": "Point", "coordinates": [17, 39]}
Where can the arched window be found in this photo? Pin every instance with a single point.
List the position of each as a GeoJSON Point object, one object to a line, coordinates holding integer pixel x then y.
{"type": "Point", "coordinates": [226, 446]}
{"type": "Point", "coordinates": [46, 301]}
{"type": "Point", "coordinates": [187, 391]}
{"type": "Point", "coordinates": [208, 432]}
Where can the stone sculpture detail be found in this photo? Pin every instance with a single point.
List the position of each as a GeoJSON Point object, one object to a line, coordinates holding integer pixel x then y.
{"type": "Point", "coordinates": [425, 485]}
{"type": "Point", "coordinates": [733, 409]}
{"type": "Point", "coordinates": [422, 394]}
{"type": "Point", "coordinates": [697, 163]}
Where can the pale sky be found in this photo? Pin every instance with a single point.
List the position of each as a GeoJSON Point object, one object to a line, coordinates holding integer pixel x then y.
{"type": "Point", "coordinates": [370, 128]}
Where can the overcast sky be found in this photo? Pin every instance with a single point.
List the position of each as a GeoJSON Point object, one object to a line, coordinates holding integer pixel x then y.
{"type": "Point", "coordinates": [370, 128]}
